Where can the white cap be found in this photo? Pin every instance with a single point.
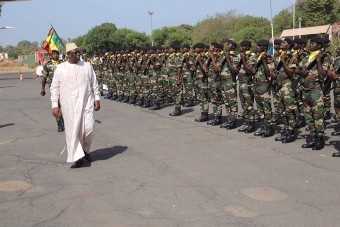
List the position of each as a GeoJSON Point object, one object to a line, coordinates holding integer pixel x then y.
{"type": "Point", "coordinates": [70, 47]}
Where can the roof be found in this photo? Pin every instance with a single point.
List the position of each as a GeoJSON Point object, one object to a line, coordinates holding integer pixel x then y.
{"type": "Point", "coordinates": [325, 29]}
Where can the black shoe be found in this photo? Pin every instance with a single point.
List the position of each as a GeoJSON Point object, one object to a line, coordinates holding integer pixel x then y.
{"type": "Point", "coordinates": [301, 122]}
{"type": "Point", "coordinates": [83, 162]}
{"type": "Point", "coordinates": [204, 117]}
{"type": "Point", "coordinates": [310, 142]}
{"type": "Point", "coordinates": [115, 97]}
{"type": "Point", "coordinates": [147, 104]}
{"type": "Point", "coordinates": [156, 106]}
{"type": "Point", "coordinates": [216, 121]}
{"type": "Point", "coordinates": [250, 128]}
{"type": "Point", "coordinates": [336, 133]}
{"type": "Point", "coordinates": [260, 131]}
{"type": "Point", "coordinates": [268, 131]}
{"type": "Point", "coordinates": [319, 143]}
{"type": "Point", "coordinates": [177, 112]}
{"type": "Point", "coordinates": [336, 154]}
{"type": "Point", "coordinates": [289, 137]}
{"type": "Point", "coordinates": [243, 128]}
{"type": "Point", "coordinates": [126, 99]}
{"type": "Point", "coordinates": [189, 104]}
{"type": "Point", "coordinates": [120, 98]}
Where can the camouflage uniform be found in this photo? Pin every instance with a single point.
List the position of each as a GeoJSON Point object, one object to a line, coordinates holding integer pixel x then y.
{"type": "Point", "coordinates": [314, 107]}
{"type": "Point", "coordinates": [204, 93]}
{"type": "Point", "coordinates": [229, 72]}
{"type": "Point", "coordinates": [262, 93]}
{"type": "Point", "coordinates": [48, 73]}
{"type": "Point", "coordinates": [286, 96]}
{"type": "Point", "coordinates": [246, 87]}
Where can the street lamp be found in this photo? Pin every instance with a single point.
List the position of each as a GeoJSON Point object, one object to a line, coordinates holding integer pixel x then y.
{"type": "Point", "coordinates": [151, 13]}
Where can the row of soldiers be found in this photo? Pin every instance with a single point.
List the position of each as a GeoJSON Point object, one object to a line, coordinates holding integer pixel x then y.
{"type": "Point", "coordinates": [289, 86]}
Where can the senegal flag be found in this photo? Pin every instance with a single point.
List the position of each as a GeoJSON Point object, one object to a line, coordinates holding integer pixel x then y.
{"type": "Point", "coordinates": [53, 41]}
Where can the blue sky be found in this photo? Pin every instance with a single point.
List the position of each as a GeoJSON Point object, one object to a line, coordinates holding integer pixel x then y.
{"type": "Point", "coordinates": [72, 18]}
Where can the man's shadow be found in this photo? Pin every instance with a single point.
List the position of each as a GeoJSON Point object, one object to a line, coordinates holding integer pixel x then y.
{"type": "Point", "coordinates": [107, 153]}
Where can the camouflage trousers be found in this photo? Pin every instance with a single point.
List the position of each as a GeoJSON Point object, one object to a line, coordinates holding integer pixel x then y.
{"type": "Point", "coordinates": [225, 95]}
{"type": "Point", "coordinates": [314, 110]}
{"type": "Point", "coordinates": [247, 101]}
{"type": "Point", "coordinates": [185, 92]}
{"type": "Point", "coordinates": [204, 95]}
{"type": "Point", "coordinates": [263, 103]}
{"type": "Point", "coordinates": [337, 99]}
{"type": "Point", "coordinates": [287, 105]}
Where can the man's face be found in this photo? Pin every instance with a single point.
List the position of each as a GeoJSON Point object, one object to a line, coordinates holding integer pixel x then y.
{"type": "Point", "coordinates": [284, 45]}
{"type": "Point", "coordinates": [73, 56]}
{"type": "Point", "coordinates": [55, 55]}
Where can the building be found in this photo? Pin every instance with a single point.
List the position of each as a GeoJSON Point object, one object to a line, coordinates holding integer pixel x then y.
{"type": "Point", "coordinates": [331, 31]}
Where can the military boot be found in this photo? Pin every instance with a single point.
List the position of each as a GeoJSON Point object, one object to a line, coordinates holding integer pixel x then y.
{"type": "Point", "coordinates": [217, 120]}
{"type": "Point", "coordinates": [189, 103]}
{"type": "Point", "coordinates": [177, 112]}
{"type": "Point", "coordinates": [120, 98]}
{"type": "Point", "coordinates": [268, 130]}
{"type": "Point", "coordinates": [115, 97]}
{"type": "Point", "coordinates": [204, 117]}
{"type": "Point", "coordinates": [310, 142]}
{"type": "Point", "coordinates": [319, 142]}
{"type": "Point", "coordinates": [126, 99]}
{"type": "Point", "coordinates": [156, 106]}
{"type": "Point", "coordinates": [290, 136]}
{"type": "Point", "coordinates": [132, 100]}
{"type": "Point", "coordinates": [260, 131]}
{"type": "Point", "coordinates": [147, 103]}
{"type": "Point", "coordinates": [300, 121]}
{"type": "Point", "coordinates": [250, 127]}
{"type": "Point", "coordinates": [243, 127]}
{"type": "Point", "coordinates": [60, 124]}
{"type": "Point", "coordinates": [336, 154]}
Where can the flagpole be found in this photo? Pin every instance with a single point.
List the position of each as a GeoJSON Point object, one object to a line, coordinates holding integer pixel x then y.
{"type": "Point", "coordinates": [272, 25]}
{"type": "Point", "coordinates": [294, 15]}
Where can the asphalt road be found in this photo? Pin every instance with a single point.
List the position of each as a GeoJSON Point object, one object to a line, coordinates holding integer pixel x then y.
{"type": "Point", "coordinates": [151, 170]}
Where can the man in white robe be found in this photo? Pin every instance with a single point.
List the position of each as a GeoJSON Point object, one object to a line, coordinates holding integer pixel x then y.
{"type": "Point", "coordinates": [75, 86]}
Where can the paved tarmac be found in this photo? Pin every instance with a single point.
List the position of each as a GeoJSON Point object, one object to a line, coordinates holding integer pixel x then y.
{"type": "Point", "coordinates": [151, 170]}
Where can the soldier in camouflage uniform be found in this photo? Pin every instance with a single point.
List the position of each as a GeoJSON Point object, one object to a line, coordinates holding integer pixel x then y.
{"type": "Point", "coordinates": [262, 89]}
{"type": "Point", "coordinates": [313, 69]}
{"type": "Point", "coordinates": [185, 82]}
{"type": "Point", "coordinates": [48, 72]}
{"type": "Point", "coordinates": [202, 80]}
{"type": "Point", "coordinates": [284, 77]}
{"type": "Point", "coordinates": [246, 86]}
{"type": "Point", "coordinates": [215, 82]}
{"type": "Point", "coordinates": [229, 68]}
{"type": "Point", "coordinates": [337, 96]}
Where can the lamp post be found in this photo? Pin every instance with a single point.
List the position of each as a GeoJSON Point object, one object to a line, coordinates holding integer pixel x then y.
{"type": "Point", "coordinates": [272, 25]}
{"type": "Point", "coordinates": [151, 13]}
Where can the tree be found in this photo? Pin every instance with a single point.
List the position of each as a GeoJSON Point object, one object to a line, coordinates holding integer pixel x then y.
{"type": "Point", "coordinates": [167, 36]}
{"type": "Point", "coordinates": [318, 12]}
{"type": "Point", "coordinates": [283, 20]}
{"type": "Point", "coordinates": [128, 38]}
{"type": "Point", "coordinates": [101, 37]}
{"type": "Point", "coordinates": [232, 26]}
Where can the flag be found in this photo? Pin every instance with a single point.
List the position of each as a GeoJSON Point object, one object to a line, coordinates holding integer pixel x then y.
{"type": "Point", "coordinates": [53, 41]}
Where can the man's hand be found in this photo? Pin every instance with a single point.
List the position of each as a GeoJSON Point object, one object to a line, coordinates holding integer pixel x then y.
{"type": "Point", "coordinates": [56, 112]}
{"type": "Point", "coordinates": [43, 93]}
{"type": "Point", "coordinates": [97, 106]}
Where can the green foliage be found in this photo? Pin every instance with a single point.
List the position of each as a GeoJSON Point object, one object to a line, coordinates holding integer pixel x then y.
{"type": "Point", "coordinates": [233, 26]}
{"type": "Point", "coordinates": [283, 20]}
{"type": "Point", "coordinates": [335, 45]}
{"type": "Point", "coordinates": [318, 12]}
{"type": "Point", "coordinates": [168, 36]}
{"type": "Point", "coordinates": [106, 37]}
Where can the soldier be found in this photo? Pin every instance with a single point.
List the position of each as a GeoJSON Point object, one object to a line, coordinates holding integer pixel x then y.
{"type": "Point", "coordinates": [285, 69]}
{"type": "Point", "coordinates": [215, 82]}
{"type": "Point", "coordinates": [229, 67]}
{"type": "Point", "coordinates": [246, 87]}
{"type": "Point", "coordinates": [48, 72]}
{"type": "Point", "coordinates": [262, 89]}
{"type": "Point", "coordinates": [185, 82]}
{"type": "Point", "coordinates": [314, 68]}
{"type": "Point", "coordinates": [202, 82]}
{"type": "Point", "coordinates": [337, 96]}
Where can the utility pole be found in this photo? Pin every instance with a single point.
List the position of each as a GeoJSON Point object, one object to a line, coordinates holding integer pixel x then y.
{"type": "Point", "coordinates": [300, 22]}
{"type": "Point", "coordinates": [151, 13]}
{"type": "Point", "coordinates": [272, 25]}
{"type": "Point", "coordinates": [294, 15]}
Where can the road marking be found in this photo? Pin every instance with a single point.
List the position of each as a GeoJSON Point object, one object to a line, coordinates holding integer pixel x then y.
{"type": "Point", "coordinates": [265, 194]}
{"type": "Point", "coordinates": [14, 186]}
{"type": "Point", "coordinates": [7, 141]}
{"type": "Point", "coordinates": [240, 212]}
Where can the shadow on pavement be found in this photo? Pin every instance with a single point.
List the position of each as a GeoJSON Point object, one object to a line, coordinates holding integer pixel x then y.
{"type": "Point", "coordinates": [6, 125]}
{"type": "Point", "coordinates": [107, 153]}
